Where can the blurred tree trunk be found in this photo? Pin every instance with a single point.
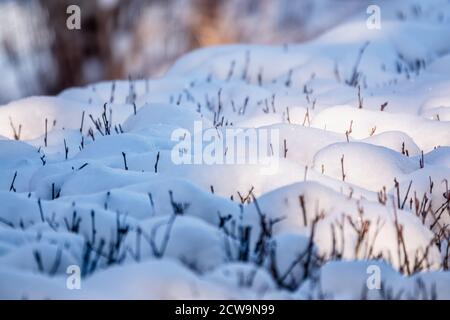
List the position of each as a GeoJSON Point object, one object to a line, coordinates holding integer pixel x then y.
{"type": "Point", "coordinates": [72, 49]}
{"type": "Point", "coordinates": [204, 29]}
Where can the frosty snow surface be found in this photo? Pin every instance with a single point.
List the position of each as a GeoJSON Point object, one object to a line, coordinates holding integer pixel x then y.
{"type": "Point", "coordinates": [93, 204]}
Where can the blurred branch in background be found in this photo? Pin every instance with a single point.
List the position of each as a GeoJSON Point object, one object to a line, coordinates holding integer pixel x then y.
{"type": "Point", "coordinates": [121, 38]}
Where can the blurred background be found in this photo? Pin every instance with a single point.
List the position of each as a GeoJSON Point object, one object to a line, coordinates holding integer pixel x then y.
{"type": "Point", "coordinates": [140, 38]}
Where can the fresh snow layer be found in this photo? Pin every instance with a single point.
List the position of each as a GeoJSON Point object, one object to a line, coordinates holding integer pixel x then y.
{"type": "Point", "coordinates": [89, 180]}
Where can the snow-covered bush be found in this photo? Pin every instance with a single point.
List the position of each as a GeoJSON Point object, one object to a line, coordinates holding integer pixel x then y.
{"type": "Point", "coordinates": [357, 206]}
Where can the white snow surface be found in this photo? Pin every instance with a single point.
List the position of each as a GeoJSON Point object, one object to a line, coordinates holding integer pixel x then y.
{"type": "Point", "coordinates": [87, 177]}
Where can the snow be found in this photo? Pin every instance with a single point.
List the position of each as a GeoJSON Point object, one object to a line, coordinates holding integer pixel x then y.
{"type": "Point", "coordinates": [427, 134]}
{"type": "Point", "coordinates": [378, 168]}
{"type": "Point", "coordinates": [351, 283]}
{"type": "Point", "coordinates": [360, 182]}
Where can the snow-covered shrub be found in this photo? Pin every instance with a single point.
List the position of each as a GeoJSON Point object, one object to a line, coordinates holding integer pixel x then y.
{"type": "Point", "coordinates": [361, 187]}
